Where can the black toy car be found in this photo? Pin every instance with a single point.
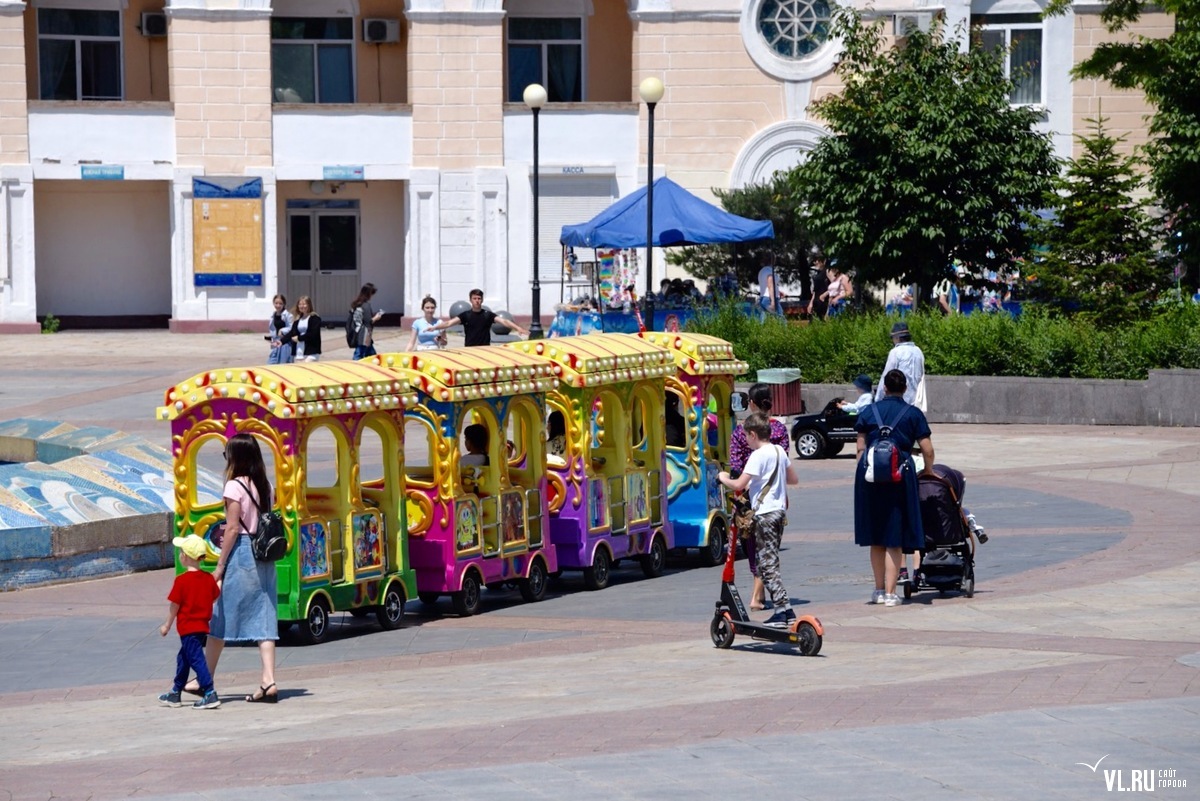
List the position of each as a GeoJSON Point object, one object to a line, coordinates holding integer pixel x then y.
{"type": "Point", "coordinates": [824, 434]}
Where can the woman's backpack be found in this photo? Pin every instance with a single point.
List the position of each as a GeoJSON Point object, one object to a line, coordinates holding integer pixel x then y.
{"type": "Point", "coordinates": [353, 323]}
{"type": "Point", "coordinates": [885, 461]}
{"type": "Point", "coordinates": [269, 541]}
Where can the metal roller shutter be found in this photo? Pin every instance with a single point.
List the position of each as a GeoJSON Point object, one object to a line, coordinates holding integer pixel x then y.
{"type": "Point", "coordinates": [568, 201]}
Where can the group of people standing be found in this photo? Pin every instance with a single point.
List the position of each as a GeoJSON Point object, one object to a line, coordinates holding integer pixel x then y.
{"type": "Point", "coordinates": [294, 334]}
{"type": "Point", "coordinates": [887, 516]}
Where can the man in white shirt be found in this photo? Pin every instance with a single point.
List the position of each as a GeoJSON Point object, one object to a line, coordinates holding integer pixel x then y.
{"type": "Point", "coordinates": [906, 357]}
{"type": "Point", "coordinates": [766, 476]}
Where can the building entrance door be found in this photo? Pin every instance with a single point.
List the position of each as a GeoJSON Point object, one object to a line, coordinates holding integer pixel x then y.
{"type": "Point", "coordinates": [323, 243]}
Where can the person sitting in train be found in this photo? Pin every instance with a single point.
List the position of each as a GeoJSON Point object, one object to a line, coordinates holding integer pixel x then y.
{"type": "Point", "coordinates": [475, 437]}
{"type": "Point", "coordinates": [676, 437]}
{"type": "Point", "coordinates": [556, 435]}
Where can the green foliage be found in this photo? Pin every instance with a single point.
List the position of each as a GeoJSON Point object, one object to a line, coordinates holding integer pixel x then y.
{"type": "Point", "coordinates": [927, 161]}
{"type": "Point", "coordinates": [1100, 248]}
{"type": "Point", "coordinates": [789, 249]}
{"type": "Point", "coordinates": [1168, 71]}
{"type": "Point", "coordinates": [1036, 344]}
{"type": "Point", "coordinates": [50, 324]}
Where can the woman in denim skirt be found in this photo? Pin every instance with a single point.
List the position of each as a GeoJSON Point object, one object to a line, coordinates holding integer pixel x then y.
{"type": "Point", "coordinates": [246, 611]}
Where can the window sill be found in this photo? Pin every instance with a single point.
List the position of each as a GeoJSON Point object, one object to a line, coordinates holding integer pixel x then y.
{"type": "Point", "coordinates": [95, 105]}
{"type": "Point", "coordinates": [341, 107]}
{"type": "Point", "coordinates": [583, 105]}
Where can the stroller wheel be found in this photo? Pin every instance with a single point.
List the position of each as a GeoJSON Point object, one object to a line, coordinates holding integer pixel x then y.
{"type": "Point", "coordinates": [969, 587]}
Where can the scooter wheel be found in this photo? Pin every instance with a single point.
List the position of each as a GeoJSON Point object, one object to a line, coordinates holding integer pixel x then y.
{"type": "Point", "coordinates": [908, 590]}
{"type": "Point", "coordinates": [721, 630]}
{"type": "Point", "coordinates": [810, 641]}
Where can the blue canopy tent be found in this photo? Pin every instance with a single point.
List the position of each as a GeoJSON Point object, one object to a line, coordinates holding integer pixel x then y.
{"type": "Point", "coordinates": [680, 218]}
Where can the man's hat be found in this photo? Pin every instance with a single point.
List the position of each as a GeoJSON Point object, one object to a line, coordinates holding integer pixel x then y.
{"type": "Point", "coordinates": [863, 382]}
{"type": "Point", "coordinates": [191, 545]}
{"type": "Point", "coordinates": [900, 329]}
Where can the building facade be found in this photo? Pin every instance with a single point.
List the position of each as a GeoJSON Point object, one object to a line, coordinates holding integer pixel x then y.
{"type": "Point", "coordinates": [182, 162]}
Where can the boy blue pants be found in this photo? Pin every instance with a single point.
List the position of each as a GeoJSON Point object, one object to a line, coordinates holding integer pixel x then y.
{"type": "Point", "coordinates": [191, 656]}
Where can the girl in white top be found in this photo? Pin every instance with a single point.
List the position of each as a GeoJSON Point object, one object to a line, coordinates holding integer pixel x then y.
{"type": "Point", "coordinates": [422, 337]}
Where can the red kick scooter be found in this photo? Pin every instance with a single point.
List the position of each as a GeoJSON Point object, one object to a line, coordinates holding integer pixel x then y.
{"type": "Point", "coordinates": [730, 618]}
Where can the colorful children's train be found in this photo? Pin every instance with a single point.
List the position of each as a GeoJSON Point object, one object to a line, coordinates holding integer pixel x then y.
{"type": "Point", "coordinates": [584, 451]}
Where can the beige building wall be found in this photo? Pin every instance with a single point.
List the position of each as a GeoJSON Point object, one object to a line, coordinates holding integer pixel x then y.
{"type": "Point", "coordinates": [14, 119]}
{"type": "Point", "coordinates": [382, 69]}
{"type": "Point", "coordinates": [146, 76]}
{"type": "Point", "coordinates": [609, 53]}
{"type": "Point", "coordinates": [716, 98]}
{"type": "Point", "coordinates": [221, 87]}
{"type": "Point", "coordinates": [1125, 111]}
{"type": "Point", "coordinates": [456, 94]}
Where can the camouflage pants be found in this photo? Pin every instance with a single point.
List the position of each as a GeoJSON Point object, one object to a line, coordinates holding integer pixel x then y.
{"type": "Point", "coordinates": [768, 533]}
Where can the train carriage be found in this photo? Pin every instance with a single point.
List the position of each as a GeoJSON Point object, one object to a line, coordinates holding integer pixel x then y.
{"type": "Point", "coordinates": [476, 519]}
{"type": "Point", "coordinates": [607, 494]}
{"type": "Point", "coordinates": [701, 388]}
{"type": "Point", "coordinates": [332, 435]}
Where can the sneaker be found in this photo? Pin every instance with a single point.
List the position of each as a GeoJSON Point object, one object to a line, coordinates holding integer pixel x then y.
{"type": "Point", "coordinates": [170, 699]}
{"type": "Point", "coordinates": [903, 577]}
{"type": "Point", "coordinates": [781, 619]}
{"type": "Point", "coordinates": [209, 701]}
{"type": "Point", "coordinates": [877, 597]}
{"type": "Point", "coordinates": [891, 599]}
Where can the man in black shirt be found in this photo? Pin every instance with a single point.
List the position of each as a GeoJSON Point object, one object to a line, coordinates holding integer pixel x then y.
{"type": "Point", "coordinates": [477, 322]}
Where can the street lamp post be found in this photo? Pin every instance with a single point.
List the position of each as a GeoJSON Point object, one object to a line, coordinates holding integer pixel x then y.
{"type": "Point", "coordinates": [651, 90]}
{"type": "Point", "coordinates": [535, 98]}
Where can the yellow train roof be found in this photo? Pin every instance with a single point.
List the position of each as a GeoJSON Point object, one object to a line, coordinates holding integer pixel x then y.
{"type": "Point", "coordinates": [598, 359]}
{"type": "Point", "coordinates": [459, 374]}
{"type": "Point", "coordinates": [309, 389]}
{"type": "Point", "coordinates": [698, 354]}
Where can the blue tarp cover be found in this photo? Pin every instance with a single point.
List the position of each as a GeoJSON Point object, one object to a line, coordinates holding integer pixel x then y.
{"type": "Point", "coordinates": [680, 218]}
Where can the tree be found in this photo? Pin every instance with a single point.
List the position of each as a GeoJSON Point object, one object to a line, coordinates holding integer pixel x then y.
{"type": "Point", "coordinates": [772, 201]}
{"type": "Point", "coordinates": [1100, 247]}
{"type": "Point", "coordinates": [1168, 71]}
{"type": "Point", "coordinates": [928, 162]}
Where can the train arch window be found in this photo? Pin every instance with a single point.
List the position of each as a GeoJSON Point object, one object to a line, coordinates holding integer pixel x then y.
{"type": "Point", "coordinates": [525, 434]}
{"type": "Point", "coordinates": [675, 431]}
{"type": "Point", "coordinates": [322, 454]}
{"type": "Point", "coordinates": [482, 452]}
{"type": "Point", "coordinates": [420, 444]}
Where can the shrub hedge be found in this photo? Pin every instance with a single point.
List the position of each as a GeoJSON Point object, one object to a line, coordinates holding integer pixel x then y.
{"type": "Point", "coordinates": [1036, 344]}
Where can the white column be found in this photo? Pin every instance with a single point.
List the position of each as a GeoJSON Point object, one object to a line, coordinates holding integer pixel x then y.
{"type": "Point", "coordinates": [188, 302]}
{"type": "Point", "coordinates": [491, 237]}
{"type": "Point", "coordinates": [18, 285]}
{"type": "Point", "coordinates": [422, 257]}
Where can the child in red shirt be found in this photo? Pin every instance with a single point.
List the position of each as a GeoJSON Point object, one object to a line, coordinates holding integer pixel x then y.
{"type": "Point", "coordinates": [192, 596]}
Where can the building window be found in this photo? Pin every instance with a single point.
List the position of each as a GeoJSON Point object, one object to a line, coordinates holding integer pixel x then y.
{"type": "Point", "coordinates": [312, 59]}
{"type": "Point", "coordinates": [549, 51]}
{"type": "Point", "coordinates": [794, 28]}
{"type": "Point", "coordinates": [79, 54]}
{"type": "Point", "coordinates": [1017, 41]}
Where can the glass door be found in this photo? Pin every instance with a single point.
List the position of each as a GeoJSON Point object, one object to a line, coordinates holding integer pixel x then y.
{"type": "Point", "coordinates": [323, 257]}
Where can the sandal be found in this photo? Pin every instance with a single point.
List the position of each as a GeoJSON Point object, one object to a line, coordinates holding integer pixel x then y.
{"type": "Point", "coordinates": [263, 697]}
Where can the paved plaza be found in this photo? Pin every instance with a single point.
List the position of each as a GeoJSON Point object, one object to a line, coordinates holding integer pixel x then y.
{"type": "Point", "coordinates": [1081, 645]}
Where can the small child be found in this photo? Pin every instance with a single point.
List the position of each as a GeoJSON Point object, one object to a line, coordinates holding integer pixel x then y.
{"type": "Point", "coordinates": [192, 596]}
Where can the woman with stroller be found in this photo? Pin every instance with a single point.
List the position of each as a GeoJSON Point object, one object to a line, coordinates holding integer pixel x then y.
{"type": "Point", "coordinates": [739, 451]}
{"type": "Point", "coordinates": [887, 516]}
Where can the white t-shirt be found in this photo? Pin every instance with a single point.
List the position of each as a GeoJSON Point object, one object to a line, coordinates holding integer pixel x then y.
{"type": "Point", "coordinates": [759, 466]}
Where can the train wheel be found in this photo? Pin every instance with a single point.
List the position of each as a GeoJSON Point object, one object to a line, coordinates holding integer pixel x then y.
{"type": "Point", "coordinates": [314, 629]}
{"type": "Point", "coordinates": [428, 598]}
{"type": "Point", "coordinates": [810, 641]}
{"type": "Point", "coordinates": [596, 576]}
{"type": "Point", "coordinates": [466, 600]}
{"type": "Point", "coordinates": [391, 612]}
{"type": "Point", "coordinates": [721, 630]}
{"type": "Point", "coordinates": [654, 562]}
{"type": "Point", "coordinates": [533, 589]}
{"type": "Point", "coordinates": [718, 540]}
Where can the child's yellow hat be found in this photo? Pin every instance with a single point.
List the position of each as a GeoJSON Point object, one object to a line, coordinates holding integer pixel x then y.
{"type": "Point", "coordinates": [191, 545]}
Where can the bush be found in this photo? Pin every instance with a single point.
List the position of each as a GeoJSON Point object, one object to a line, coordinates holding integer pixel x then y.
{"type": "Point", "coordinates": [1036, 344]}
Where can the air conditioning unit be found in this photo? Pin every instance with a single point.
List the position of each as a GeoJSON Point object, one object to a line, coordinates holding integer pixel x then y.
{"type": "Point", "coordinates": [381, 31]}
{"type": "Point", "coordinates": [909, 21]}
{"type": "Point", "coordinates": [154, 23]}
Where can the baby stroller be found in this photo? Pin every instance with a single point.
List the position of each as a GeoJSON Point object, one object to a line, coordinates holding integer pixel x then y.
{"type": "Point", "coordinates": [948, 558]}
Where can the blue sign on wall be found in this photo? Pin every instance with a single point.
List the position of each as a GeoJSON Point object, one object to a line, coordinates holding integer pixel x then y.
{"type": "Point", "coordinates": [102, 172]}
{"type": "Point", "coordinates": [342, 173]}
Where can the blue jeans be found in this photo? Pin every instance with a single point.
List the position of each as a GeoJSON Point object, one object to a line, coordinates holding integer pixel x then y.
{"type": "Point", "coordinates": [191, 655]}
{"type": "Point", "coordinates": [363, 351]}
